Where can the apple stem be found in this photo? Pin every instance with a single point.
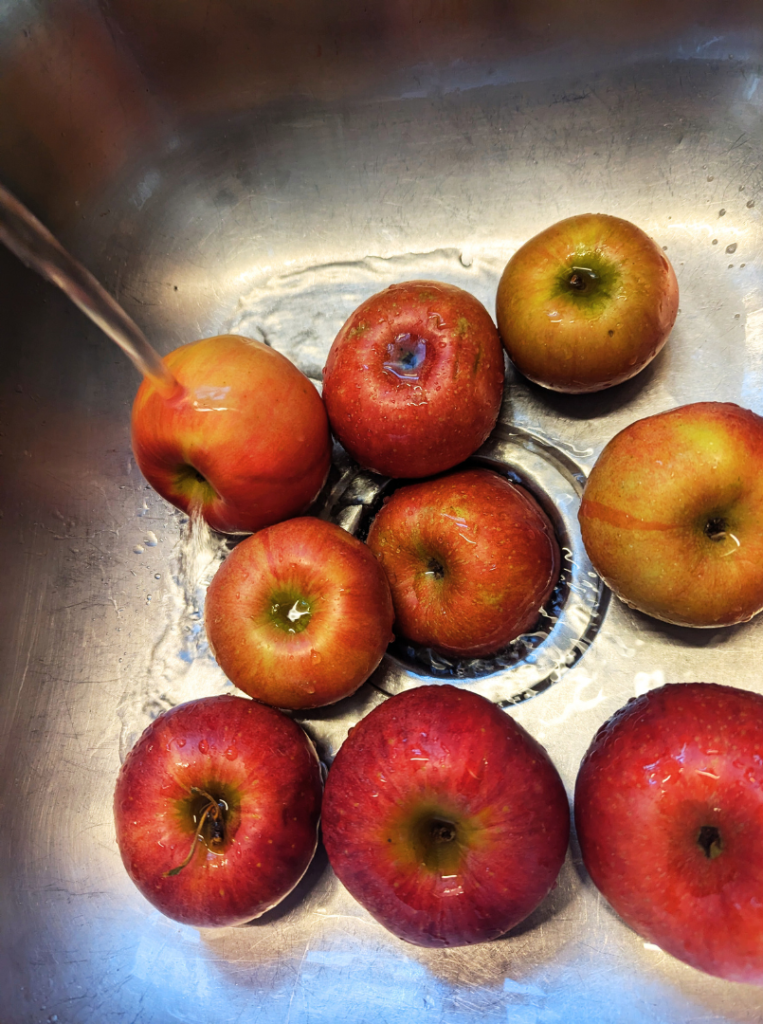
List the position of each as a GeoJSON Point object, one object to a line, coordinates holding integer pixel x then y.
{"type": "Point", "coordinates": [214, 809]}
{"type": "Point", "coordinates": [36, 247]}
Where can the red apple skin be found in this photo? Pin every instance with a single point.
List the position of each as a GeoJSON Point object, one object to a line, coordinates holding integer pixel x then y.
{"type": "Point", "coordinates": [591, 337]}
{"type": "Point", "coordinates": [341, 612]}
{"type": "Point", "coordinates": [680, 758]}
{"type": "Point", "coordinates": [247, 420]}
{"type": "Point", "coordinates": [653, 503]}
{"type": "Point", "coordinates": [471, 559]}
{"type": "Point", "coordinates": [414, 421]}
{"type": "Point", "coordinates": [256, 759]}
{"type": "Point", "coordinates": [438, 756]}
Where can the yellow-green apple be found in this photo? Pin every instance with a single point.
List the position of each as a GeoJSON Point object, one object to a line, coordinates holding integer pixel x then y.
{"type": "Point", "coordinates": [669, 814]}
{"type": "Point", "coordinates": [300, 614]}
{"type": "Point", "coordinates": [245, 440]}
{"type": "Point", "coordinates": [672, 514]}
{"type": "Point", "coordinates": [444, 818]}
{"type": "Point", "coordinates": [587, 303]}
{"type": "Point", "coordinates": [414, 379]}
{"type": "Point", "coordinates": [470, 557]}
{"type": "Point", "coordinates": [216, 810]}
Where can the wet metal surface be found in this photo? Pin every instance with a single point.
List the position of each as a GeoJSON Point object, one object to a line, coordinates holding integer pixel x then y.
{"type": "Point", "coordinates": [263, 169]}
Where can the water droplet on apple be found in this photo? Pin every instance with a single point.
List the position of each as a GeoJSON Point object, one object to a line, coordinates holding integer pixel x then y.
{"type": "Point", "coordinates": [231, 753]}
{"type": "Point", "coordinates": [203, 747]}
{"type": "Point", "coordinates": [315, 658]}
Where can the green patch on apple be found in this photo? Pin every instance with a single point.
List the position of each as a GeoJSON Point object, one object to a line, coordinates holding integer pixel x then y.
{"type": "Point", "coordinates": [589, 283]}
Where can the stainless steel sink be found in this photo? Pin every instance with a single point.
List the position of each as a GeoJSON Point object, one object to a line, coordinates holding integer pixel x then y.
{"type": "Point", "coordinates": [261, 167]}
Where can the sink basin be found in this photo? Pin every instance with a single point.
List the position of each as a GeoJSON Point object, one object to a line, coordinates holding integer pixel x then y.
{"type": "Point", "coordinates": [260, 168]}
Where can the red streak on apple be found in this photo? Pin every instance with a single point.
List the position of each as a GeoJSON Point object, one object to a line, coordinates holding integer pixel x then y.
{"type": "Point", "coordinates": [614, 517]}
{"type": "Point", "coordinates": [264, 775]}
{"type": "Point", "coordinates": [471, 559]}
{"type": "Point", "coordinates": [444, 818]}
{"type": "Point", "coordinates": [672, 514]}
{"type": "Point", "coordinates": [246, 441]}
{"type": "Point", "coordinates": [300, 614]}
{"type": "Point", "coordinates": [669, 814]}
{"type": "Point", "coordinates": [414, 380]}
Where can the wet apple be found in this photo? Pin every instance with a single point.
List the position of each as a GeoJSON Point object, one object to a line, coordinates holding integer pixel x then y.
{"type": "Point", "coordinates": [244, 443]}
{"type": "Point", "coordinates": [586, 303]}
{"type": "Point", "coordinates": [216, 810]}
{"type": "Point", "coordinates": [471, 559]}
{"type": "Point", "coordinates": [444, 818]}
{"type": "Point", "coordinates": [414, 380]}
{"type": "Point", "coordinates": [300, 614]}
{"type": "Point", "coordinates": [669, 815]}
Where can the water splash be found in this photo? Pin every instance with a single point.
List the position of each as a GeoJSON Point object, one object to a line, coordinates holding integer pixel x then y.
{"type": "Point", "coordinates": [181, 666]}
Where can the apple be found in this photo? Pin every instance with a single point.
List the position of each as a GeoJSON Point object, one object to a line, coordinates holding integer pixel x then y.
{"type": "Point", "coordinates": [470, 557]}
{"type": "Point", "coordinates": [300, 614]}
{"type": "Point", "coordinates": [672, 514]}
{"type": "Point", "coordinates": [245, 442]}
{"type": "Point", "coordinates": [444, 818]}
{"type": "Point", "coordinates": [216, 810]}
{"type": "Point", "coordinates": [669, 814]}
{"type": "Point", "coordinates": [586, 304]}
{"type": "Point", "coordinates": [414, 379]}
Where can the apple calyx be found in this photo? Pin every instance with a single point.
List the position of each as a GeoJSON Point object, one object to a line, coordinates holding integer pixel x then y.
{"type": "Point", "coordinates": [709, 838]}
{"type": "Point", "coordinates": [717, 529]}
{"type": "Point", "coordinates": [587, 278]}
{"type": "Point", "coordinates": [443, 831]}
{"type": "Point", "coordinates": [214, 811]}
{"type": "Point", "coordinates": [581, 278]}
{"type": "Point", "coordinates": [437, 841]}
{"type": "Point", "coordinates": [289, 613]}
{"type": "Point", "coordinates": [435, 568]}
{"type": "Point", "coordinates": [192, 483]}
{"type": "Point", "coordinates": [405, 357]}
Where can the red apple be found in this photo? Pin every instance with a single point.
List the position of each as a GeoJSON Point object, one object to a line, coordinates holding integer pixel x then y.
{"type": "Point", "coordinates": [245, 442]}
{"type": "Point", "coordinates": [672, 514]}
{"type": "Point", "coordinates": [414, 380]}
{"type": "Point", "coordinates": [669, 814]}
{"type": "Point", "coordinates": [470, 557]}
{"type": "Point", "coordinates": [300, 614]}
{"type": "Point", "coordinates": [216, 810]}
{"type": "Point", "coordinates": [587, 303]}
{"type": "Point", "coordinates": [444, 818]}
